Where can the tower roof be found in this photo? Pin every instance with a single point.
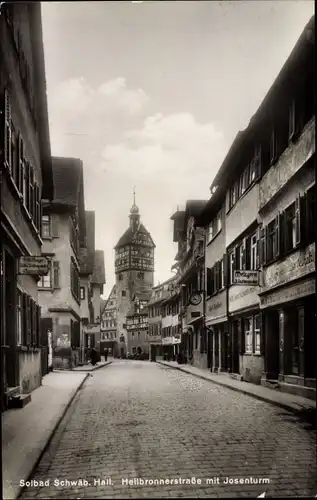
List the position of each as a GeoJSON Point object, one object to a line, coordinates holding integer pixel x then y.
{"type": "Point", "coordinates": [128, 237]}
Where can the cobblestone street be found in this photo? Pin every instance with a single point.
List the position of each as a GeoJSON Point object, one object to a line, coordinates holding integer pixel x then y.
{"type": "Point", "coordinates": [136, 419]}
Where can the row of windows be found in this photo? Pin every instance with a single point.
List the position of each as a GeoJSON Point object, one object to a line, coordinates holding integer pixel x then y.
{"type": "Point", "coordinates": [215, 226]}
{"type": "Point", "coordinates": [108, 335]}
{"type": "Point", "coordinates": [155, 329]}
{"type": "Point", "coordinates": [154, 311]}
{"type": "Point", "coordinates": [170, 309]}
{"type": "Point", "coordinates": [171, 331]}
{"type": "Point", "coordinates": [244, 257]}
{"type": "Point", "coordinates": [20, 169]}
{"type": "Point", "coordinates": [109, 323]}
{"type": "Point", "coordinates": [290, 229]}
{"type": "Point", "coordinates": [249, 175]}
{"type": "Point", "coordinates": [28, 321]}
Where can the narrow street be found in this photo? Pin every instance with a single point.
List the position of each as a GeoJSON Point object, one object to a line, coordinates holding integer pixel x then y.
{"type": "Point", "coordinates": [136, 419]}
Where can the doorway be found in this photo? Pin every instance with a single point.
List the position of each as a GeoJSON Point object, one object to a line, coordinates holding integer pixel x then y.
{"type": "Point", "coordinates": [235, 347]}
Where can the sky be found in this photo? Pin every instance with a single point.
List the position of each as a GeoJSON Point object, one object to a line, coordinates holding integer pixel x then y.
{"type": "Point", "coordinates": [152, 95]}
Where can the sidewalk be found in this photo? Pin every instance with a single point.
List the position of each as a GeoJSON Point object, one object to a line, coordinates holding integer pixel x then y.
{"type": "Point", "coordinates": [26, 432]}
{"type": "Point", "coordinates": [289, 402]}
{"type": "Point", "coordinates": [90, 368]}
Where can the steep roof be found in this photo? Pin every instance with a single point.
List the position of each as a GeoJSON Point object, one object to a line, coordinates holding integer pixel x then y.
{"type": "Point", "coordinates": [128, 237]}
{"type": "Point", "coordinates": [98, 276]}
{"type": "Point", "coordinates": [111, 296]}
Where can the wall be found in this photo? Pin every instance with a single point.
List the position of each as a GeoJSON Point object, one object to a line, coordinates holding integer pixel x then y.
{"type": "Point", "coordinates": [243, 296]}
{"type": "Point", "coordinates": [193, 309]}
{"type": "Point", "coordinates": [30, 370]}
{"type": "Point", "coordinates": [242, 215]}
{"type": "Point", "coordinates": [138, 341]}
{"type": "Point", "coordinates": [251, 368]}
{"type": "Point", "coordinates": [216, 308]}
{"type": "Point", "coordinates": [288, 164]}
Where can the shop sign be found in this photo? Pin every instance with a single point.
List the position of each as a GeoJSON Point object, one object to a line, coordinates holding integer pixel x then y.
{"type": "Point", "coordinates": [242, 296]}
{"type": "Point", "coordinates": [246, 278]}
{"type": "Point", "coordinates": [293, 267]}
{"type": "Point", "coordinates": [171, 340]}
{"type": "Point", "coordinates": [291, 293]}
{"type": "Point", "coordinates": [33, 265]}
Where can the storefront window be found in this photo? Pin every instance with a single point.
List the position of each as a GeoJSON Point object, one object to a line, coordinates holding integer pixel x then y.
{"type": "Point", "coordinates": [257, 334]}
{"type": "Point", "coordinates": [248, 335]}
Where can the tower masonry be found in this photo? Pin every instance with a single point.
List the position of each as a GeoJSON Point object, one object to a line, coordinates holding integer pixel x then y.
{"type": "Point", "coordinates": [134, 268]}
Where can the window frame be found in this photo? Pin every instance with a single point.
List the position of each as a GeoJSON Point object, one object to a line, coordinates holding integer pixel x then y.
{"type": "Point", "coordinates": [82, 295]}
{"type": "Point", "coordinates": [50, 275]}
{"type": "Point", "coordinates": [256, 334]}
{"type": "Point", "coordinates": [47, 224]}
{"type": "Point", "coordinates": [248, 334]}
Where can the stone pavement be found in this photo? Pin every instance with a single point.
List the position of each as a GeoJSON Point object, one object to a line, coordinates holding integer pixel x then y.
{"type": "Point", "coordinates": [286, 401]}
{"type": "Point", "coordinates": [142, 430]}
{"type": "Point", "coordinates": [90, 367]}
{"type": "Point", "coordinates": [26, 431]}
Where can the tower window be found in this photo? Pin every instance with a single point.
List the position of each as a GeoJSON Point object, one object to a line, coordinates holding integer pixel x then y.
{"type": "Point", "coordinates": [120, 277]}
{"type": "Point", "coordinates": [141, 275]}
{"type": "Point", "coordinates": [123, 293]}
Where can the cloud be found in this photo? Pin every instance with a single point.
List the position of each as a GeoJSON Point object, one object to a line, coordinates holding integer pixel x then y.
{"type": "Point", "coordinates": [172, 147]}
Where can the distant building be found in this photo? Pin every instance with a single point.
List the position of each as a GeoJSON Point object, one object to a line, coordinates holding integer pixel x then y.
{"type": "Point", "coordinates": [26, 179]}
{"type": "Point", "coordinates": [137, 324]}
{"type": "Point", "coordinates": [159, 294]}
{"type": "Point", "coordinates": [109, 323]}
{"type": "Point", "coordinates": [134, 268]}
{"type": "Point", "coordinates": [63, 233]}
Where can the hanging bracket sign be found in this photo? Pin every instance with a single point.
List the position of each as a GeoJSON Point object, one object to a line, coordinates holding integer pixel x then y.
{"type": "Point", "coordinates": [33, 265]}
{"type": "Point", "coordinates": [246, 278]}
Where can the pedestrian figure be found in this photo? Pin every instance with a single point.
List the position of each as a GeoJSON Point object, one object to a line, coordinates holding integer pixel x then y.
{"type": "Point", "coordinates": [106, 354]}
{"type": "Point", "coordinates": [93, 356]}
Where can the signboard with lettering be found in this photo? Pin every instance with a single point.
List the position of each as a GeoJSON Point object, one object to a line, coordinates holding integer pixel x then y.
{"type": "Point", "coordinates": [308, 287]}
{"type": "Point", "coordinates": [216, 308]}
{"type": "Point", "coordinates": [242, 296]}
{"type": "Point", "coordinates": [291, 268]}
{"type": "Point", "coordinates": [171, 341]}
{"type": "Point", "coordinates": [33, 265]}
{"type": "Point", "coordinates": [246, 278]}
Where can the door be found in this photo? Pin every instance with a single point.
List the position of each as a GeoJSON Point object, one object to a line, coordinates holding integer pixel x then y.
{"type": "Point", "coordinates": [46, 335]}
{"type": "Point", "coordinates": [209, 350]}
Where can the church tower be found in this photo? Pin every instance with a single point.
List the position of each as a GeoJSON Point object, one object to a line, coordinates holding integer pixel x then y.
{"type": "Point", "coordinates": [134, 268]}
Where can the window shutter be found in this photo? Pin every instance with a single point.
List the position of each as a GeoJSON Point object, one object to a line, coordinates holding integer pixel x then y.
{"type": "Point", "coordinates": [54, 225]}
{"type": "Point", "coordinates": [7, 130]}
{"type": "Point", "coordinates": [277, 250]}
{"type": "Point", "coordinates": [262, 333]}
{"type": "Point", "coordinates": [37, 208]}
{"type": "Point", "coordinates": [38, 325]}
{"type": "Point", "coordinates": [292, 120]}
{"type": "Point", "coordinates": [225, 269]}
{"type": "Point", "coordinates": [309, 220]}
{"type": "Point", "coordinates": [258, 163]}
{"type": "Point", "coordinates": [209, 282]}
{"type": "Point", "coordinates": [24, 319]}
{"type": "Point", "coordinates": [56, 276]}
{"type": "Point", "coordinates": [299, 220]}
{"type": "Point", "coordinates": [281, 233]}
{"type": "Point", "coordinates": [262, 246]}
{"type": "Point", "coordinates": [227, 207]}
{"type": "Point", "coordinates": [273, 146]}
{"type": "Point", "coordinates": [216, 271]}
{"type": "Point", "coordinates": [243, 250]}
{"type": "Point", "coordinates": [28, 320]}
{"type": "Point", "coordinates": [20, 162]}
{"type": "Point", "coordinates": [34, 323]}
{"type": "Point", "coordinates": [240, 336]}
{"type": "Point", "coordinates": [258, 265]}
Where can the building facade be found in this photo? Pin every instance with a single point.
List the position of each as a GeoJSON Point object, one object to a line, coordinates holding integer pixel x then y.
{"type": "Point", "coordinates": [190, 237]}
{"type": "Point", "coordinates": [171, 326]}
{"type": "Point", "coordinates": [216, 272]}
{"type": "Point", "coordinates": [26, 178]}
{"type": "Point", "coordinates": [92, 330]}
{"type": "Point", "coordinates": [63, 233]}
{"type": "Point", "coordinates": [266, 187]}
{"type": "Point", "coordinates": [109, 323]}
{"type": "Point", "coordinates": [134, 268]}
{"type": "Point", "coordinates": [159, 294]}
